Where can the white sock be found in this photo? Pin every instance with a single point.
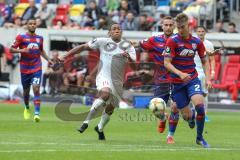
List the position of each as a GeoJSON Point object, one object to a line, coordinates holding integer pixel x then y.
{"type": "Point", "coordinates": [97, 106]}
{"type": "Point", "coordinates": [104, 120]}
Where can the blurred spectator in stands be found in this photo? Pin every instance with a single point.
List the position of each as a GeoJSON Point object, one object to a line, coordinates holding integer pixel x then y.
{"type": "Point", "coordinates": [232, 27]}
{"type": "Point", "coordinates": [219, 27]}
{"type": "Point", "coordinates": [158, 25]}
{"type": "Point", "coordinates": [103, 23]}
{"type": "Point", "coordinates": [112, 5]}
{"type": "Point", "coordinates": [8, 14]}
{"type": "Point", "coordinates": [130, 23]}
{"type": "Point", "coordinates": [93, 12]}
{"type": "Point", "coordinates": [40, 23]}
{"type": "Point", "coordinates": [59, 25]}
{"type": "Point", "coordinates": [134, 5]}
{"type": "Point", "coordinates": [223, 8]}
{"type": "Point", "coordinates": [54, 76]}
{"type": "Point", "coordinates": [183, 4]}
{"type": "Point", "coordinates": [17, 23]}
{"type": "Point", "coordinates": [71, 25]}
{"type": "Point", "coordinates": [144, 24]}
{"type": "Point", "coordinates": [125, 6]}
{"type": "Point", "coordinates": [44, 13]}
{"type": "Point", "coordinates": [114, 16]}
{"type": "Point", "coordinates": [29, 12]}
{"type": "Point", "coordinates": [143, 74]}
{"type": "Point", "coordinates": [101, 3]}
{"type": "Point", "coordinates": [122, 17]}
{"type": "Point", "coordinates": [76, 74]}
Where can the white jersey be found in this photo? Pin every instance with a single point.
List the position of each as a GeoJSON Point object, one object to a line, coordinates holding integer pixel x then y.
{"type": "Point", "coordinates": [201, 75]}
{"type": "Point", "coordinates": [112, 63]}
{"type": "Point", "coordinates": [209, 47]}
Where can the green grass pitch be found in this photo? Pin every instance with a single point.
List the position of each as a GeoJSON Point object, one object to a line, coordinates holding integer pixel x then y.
{"type": "Point", "coordinates": [131, 134]}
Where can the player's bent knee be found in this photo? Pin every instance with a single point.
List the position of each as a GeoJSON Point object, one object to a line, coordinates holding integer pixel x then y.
{"type": "Point", "coordinates": [197, 99]}
{"type": "Point", "coordinates": [174, 107]}
{"type": "Point", "coordinates": [186, 113]}
{"type": "Point", "coordinates": [109, 109]}
{"type": "Point", "coordinates": [105, 93]}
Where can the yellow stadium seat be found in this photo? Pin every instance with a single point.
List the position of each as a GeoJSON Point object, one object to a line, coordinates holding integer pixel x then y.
{"type": "Point", "coordinates": [77, 10]}
{"type": "Point", "coordinates": [173, 3]}
{"type": "Point", "coordinates": [20, 8]}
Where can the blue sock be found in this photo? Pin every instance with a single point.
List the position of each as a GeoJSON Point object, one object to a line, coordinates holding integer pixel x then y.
{"type": "Point", "coordinates": [36, 102]}
{"type": "Point", "coordinates": [200, 120]}
{"type": "Point", "coordinates": [173, 121]}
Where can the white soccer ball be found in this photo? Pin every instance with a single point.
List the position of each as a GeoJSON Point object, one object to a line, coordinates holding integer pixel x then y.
{"type": "Point", "coordinates": [157, 106]}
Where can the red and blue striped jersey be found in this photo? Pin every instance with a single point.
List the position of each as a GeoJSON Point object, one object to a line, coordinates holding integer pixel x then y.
{"type": "Point", "coordinates": [155, 46]}
{"type": "Point", "coordinates": [182, 52]}
{"type": "Point", "coordinates": [30, 62]}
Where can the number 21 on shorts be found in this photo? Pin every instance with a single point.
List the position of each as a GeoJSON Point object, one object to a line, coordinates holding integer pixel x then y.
{"type": "Point", "coordinates": [36, 80]}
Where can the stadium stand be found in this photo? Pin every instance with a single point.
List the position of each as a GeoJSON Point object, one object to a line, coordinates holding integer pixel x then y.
{"type": "Point", "coordinates": [230, 77]}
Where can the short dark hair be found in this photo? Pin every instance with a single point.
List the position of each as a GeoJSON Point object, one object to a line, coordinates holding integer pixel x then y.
{"type": "Point", "coordinates": [205, 29]}
{"type": "Point", "coordinates": [232, 24]}
{"type": "Point", "coordinates": [30, 19]}
{"type": "Point", "coordinates": [219, 21]}
{"type": "Point", "coordinates": [144, 15]}
{"type": "Point", "coordinates": [113, 23]}
{"type": "Point", "coordinates": [181, 18]}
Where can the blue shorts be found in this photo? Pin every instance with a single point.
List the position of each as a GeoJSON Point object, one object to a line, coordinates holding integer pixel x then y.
{"type": "Point", "coordinates": [29, 79]}
{"type": "Point", "coordinates": [162, 90]}
{"type": "Point", "coordinates": [182, 93]}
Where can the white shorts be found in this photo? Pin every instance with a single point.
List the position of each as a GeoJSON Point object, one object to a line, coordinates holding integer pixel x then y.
{"type": "Point", "coordinates": [202, 78]}
{"type": "Point", "coordinates": [116, 88]}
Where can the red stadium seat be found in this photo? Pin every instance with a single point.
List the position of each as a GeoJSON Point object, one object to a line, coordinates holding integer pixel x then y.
{"type": "Point", "coordinates": [62, 18]}
{"type": "Point", "coordinates": [217, 71]}
{"type": "Point", "coordinates": [230, 76]}
{"type": "Point", "coordinates": [217, 58]}
{"type": "Point", "coordinates": [62, 9]}
{"type": "Point", "coordinates": [229, 80]}
{"type": "Point", "coordinates": [23, 1]}
{"type": "Point", "coordinates": [234, 59]}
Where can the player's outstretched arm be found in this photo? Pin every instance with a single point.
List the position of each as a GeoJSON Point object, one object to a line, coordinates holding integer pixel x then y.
{"type": "Point", "coordinates": [16, 50]}
{"type": "Point", "coordinates": [212, 66]}
{"type": "Point", "coordinates": [206, 69]}
{"type": "Point", "coordinates": [76, 50]}
{"type": "Point", "coordinates": [168, 65]}
{"type": "Point", "coordinates": [45, 56]}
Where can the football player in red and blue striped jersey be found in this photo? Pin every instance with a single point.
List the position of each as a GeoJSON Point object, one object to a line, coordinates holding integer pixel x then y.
{"type": "Point", "coordinates": [155, 46]}
{"type": "Point", "coordinates": [179, 60]}
{"type": "Point", "coordinates": [30, 46]}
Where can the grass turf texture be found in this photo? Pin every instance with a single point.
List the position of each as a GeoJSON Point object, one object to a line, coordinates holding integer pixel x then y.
{"type": "Point", "coordinates": [131, 134]}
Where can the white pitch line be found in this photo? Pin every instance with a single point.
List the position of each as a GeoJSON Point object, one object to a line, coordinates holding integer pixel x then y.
{"type": "Point", "coordinates": [110, 147]}
{"type": "Point", "coordinates": [119, 150]}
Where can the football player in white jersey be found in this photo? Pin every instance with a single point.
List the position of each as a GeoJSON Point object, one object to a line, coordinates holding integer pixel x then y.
{"type": "Point", "coordinates": [115, 53]}
{"type": "Point", "coordinates": [201, 32]}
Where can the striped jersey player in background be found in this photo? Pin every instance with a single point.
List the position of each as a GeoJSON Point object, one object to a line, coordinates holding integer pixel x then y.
{"type": "Point", "coordinates": [30, 46]}
{"type": "Point", "coordinates": [155, 46]}
{"type": "Point", "coordinates": [179, 60]}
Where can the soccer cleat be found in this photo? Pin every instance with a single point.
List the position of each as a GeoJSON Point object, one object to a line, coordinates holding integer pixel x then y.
{"type": "Point", "coordinates": [101, 135]}
{"type": "Point", "coordinates": [191, 123]}
{"type": "Point", "coordinates": [83, 127]}
{"type": "Point", "coordinates": [170, 140]}
{"type": "Point", "coordinates": [37, 118]}
{"type": "Point", "coordinates": [26, 114]}
{"type": "Point", "coordinates": [207, 119]}
{"type": "Point", "coordinates": [161, 126]}
{"type": "Point", "coordinates": [203, 143]}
